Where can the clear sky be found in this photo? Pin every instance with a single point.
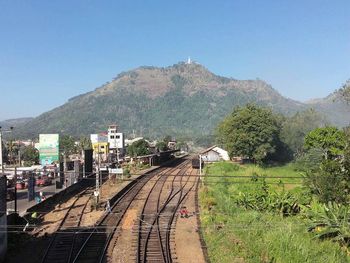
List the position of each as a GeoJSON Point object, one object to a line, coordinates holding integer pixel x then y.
{"type": "Point", "coordinates": [53, 50]}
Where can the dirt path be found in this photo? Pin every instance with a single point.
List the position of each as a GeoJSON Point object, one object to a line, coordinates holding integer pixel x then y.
{"type": "Point", "coordinates": [187, 242]}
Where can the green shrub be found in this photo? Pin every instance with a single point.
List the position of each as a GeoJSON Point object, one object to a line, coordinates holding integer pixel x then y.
{"type": "Point", "coordinates": [330, 221]}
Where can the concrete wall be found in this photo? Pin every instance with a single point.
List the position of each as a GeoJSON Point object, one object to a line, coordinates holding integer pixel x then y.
{"type": "Point", "coordinates": [61, 196]}
{"type": "Point", "coordinates": [3, 218]}
{"type": "Point", "coordinates": [211, 156]}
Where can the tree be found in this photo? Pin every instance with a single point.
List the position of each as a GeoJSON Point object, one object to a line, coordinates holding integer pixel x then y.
{"type": "Point", "coordinates": [138, 148]}
{"type": "Point", "coordinates": [30, 155]}
{"type": "Point", "coordinates": [182, 146]}
{"type": "Point", "coordinates": [309, 161]}
{"type": "Point", "coordinates": [4, 152]}
{"type": "Point", "coordinates": [330, 181]}
{"type": "Point", "coordinates": [345, 91]}
{"type": "Point", "coordinates": [67, 145]}
{"type": "Point", "coordinates": [330, 139]}
{"type": "Point", "coordinates": [252, 132]}
{"type": "Point", "coordinates": [84, 143]}
{"type": "Point", "coordinates": [295, 128]}
{"type": "Point", "coordinates": [161, 146]}
{"type": "Point", "coordinates": [167, 139]}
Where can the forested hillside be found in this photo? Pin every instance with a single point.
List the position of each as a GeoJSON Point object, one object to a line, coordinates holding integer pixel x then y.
{"type": "Point", "coordinates": [184, 100]}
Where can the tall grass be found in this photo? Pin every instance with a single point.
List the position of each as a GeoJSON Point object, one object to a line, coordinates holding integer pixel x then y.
{"type": "Point", "coordinates": [235, 234]}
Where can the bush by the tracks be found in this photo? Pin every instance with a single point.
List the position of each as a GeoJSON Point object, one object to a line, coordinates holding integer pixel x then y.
{"type": "Point", "coordinates": [330, 221]}
{"type": "Point", "coordinates": [245, 219]}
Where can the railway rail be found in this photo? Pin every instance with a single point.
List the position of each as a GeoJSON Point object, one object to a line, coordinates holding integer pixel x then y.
{"type": "Point", "coordinates": [157, 218]}
{"type": "Point", "coordinates": [62, 243]}
{"type": "Point", "coordinates": [72, 243]}
{"type": "Point", "coordinates": [96, 244]}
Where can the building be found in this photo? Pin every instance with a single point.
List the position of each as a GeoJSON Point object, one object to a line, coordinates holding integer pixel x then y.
{"type": "Point", "coordinates": [172, 145]}
{"type": "Point", "coordinates": [214, 154]}
{"type": "Point", "coordinates": [116, 140]}
{"type": "Point", "coordinates": [100, 146]}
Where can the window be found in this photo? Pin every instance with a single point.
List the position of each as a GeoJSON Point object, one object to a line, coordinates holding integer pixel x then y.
{"type": "Point", "coordinates": [112, 136]}
{"type": "Point", "coordinates": [117, 136]}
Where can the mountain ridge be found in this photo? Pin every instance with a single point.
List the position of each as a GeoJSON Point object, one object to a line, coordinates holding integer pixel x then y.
{"type": "Point", "coordinates": [182, 99]}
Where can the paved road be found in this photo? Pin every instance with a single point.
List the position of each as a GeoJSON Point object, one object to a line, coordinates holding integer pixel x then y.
{"type": "Point", "coordinates": [22, 197]}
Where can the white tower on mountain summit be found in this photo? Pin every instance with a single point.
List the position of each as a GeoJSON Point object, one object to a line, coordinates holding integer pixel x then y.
{"type": "Point", "coordinates": [189, 60]}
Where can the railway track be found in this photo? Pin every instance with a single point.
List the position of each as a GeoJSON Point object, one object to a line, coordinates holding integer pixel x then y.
{"type": "Point", "coordinates": [157, 217]}
{"type": "Point", "coordinates": [96, 244]}
{"type": "Point", "coordinates": [62, 243]}
{"type": "Point", "coordinates": [72, 243]}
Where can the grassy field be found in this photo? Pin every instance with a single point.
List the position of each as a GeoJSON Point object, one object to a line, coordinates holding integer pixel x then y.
{"type": "Point", "coordinates": [236, 234]}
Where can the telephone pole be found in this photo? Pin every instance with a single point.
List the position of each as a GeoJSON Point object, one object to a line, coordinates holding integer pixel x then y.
{"type": "Point", "coordinates": [1, 161]}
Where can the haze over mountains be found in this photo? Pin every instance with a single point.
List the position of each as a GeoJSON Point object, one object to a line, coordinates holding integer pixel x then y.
{"type": "Point", "coordinates": [7, 124]}
{"type": "Point", "coordinates": [182, 100]}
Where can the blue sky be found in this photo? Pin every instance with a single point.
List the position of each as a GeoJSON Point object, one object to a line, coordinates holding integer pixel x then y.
{"type": "Point", "coordinates": [53, 50]}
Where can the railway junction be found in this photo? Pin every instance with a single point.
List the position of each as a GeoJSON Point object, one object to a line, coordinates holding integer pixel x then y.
{"type": "Point", "coordinates": [153, 217]}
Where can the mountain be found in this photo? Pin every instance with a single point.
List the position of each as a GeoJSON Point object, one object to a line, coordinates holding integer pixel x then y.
{"type": "Point", "coordinates": [334, 108]}
{"type": "Point", "coordinates": [182, 100]}
{"type": "Point", "coordinates": [6, 124]}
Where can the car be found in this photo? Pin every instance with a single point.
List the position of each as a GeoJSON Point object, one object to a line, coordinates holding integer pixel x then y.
{"type": "Point", "coordinates": [20, 185]}
{"type": "Point", "coordinates": [43, 181]}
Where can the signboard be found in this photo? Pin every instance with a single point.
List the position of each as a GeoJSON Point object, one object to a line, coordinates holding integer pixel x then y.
{"type": "Point", "coordinates": [116, 170]}
{"type": "Point", "coordinates": [48, 148]}
{"type": "Point", "coordinates": [98, 138]}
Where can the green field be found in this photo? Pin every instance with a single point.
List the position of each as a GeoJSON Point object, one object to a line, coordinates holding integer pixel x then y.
{"type": "Point", "coordinates": [235, 233]}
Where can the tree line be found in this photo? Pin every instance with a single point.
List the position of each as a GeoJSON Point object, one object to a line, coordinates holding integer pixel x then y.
{"type": "Point", "coordinates": [320, 151]}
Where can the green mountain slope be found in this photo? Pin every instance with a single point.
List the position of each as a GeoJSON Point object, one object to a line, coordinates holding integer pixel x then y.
{"type": "Point", "coordinates": [183, 99]}
{"type": "Point", "coordinates": [6, 124]}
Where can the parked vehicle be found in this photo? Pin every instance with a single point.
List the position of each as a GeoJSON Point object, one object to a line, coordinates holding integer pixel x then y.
{"type": "Point", "coordinates": [20, 185]}
{"type": "Point", "coordinates": [195, 163]}
{"type": "Point", "coordinates": [43, 181]}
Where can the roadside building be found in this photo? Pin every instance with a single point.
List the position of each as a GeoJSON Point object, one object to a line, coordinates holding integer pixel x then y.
{"type": "Point", "coordinates": [100, 146]}
{"type": "Point", "coordinates": [172, 145]}
{"type": "Point", "coordinates": [214, 154]}
{"type": "Point", "coordinates": [116, 140]}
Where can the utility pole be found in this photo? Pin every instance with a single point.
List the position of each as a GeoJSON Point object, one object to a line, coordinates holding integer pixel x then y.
{"type": "Point", "coordinates": [1, 161]}
{"type": "Point", "coordinates": [15, 190]}
{"type": "Point", "coordinates": [65, 170]}
{"type": "Point", "coordinates": [97, 190]}
{"type": "Point", "coordinates": [19, 157]}
{"type": "Point", "coordinates": [200, 167]}
{"type": "Point", "coordinates": [99, 170]}
{"type": "Point", "coordinates": [115, 143]}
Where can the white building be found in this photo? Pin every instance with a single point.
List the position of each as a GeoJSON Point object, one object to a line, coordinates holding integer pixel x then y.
{"type": "Point", "coordinates": [214, 154]}
{"type": "Point", "coordinates": [115, 139]}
